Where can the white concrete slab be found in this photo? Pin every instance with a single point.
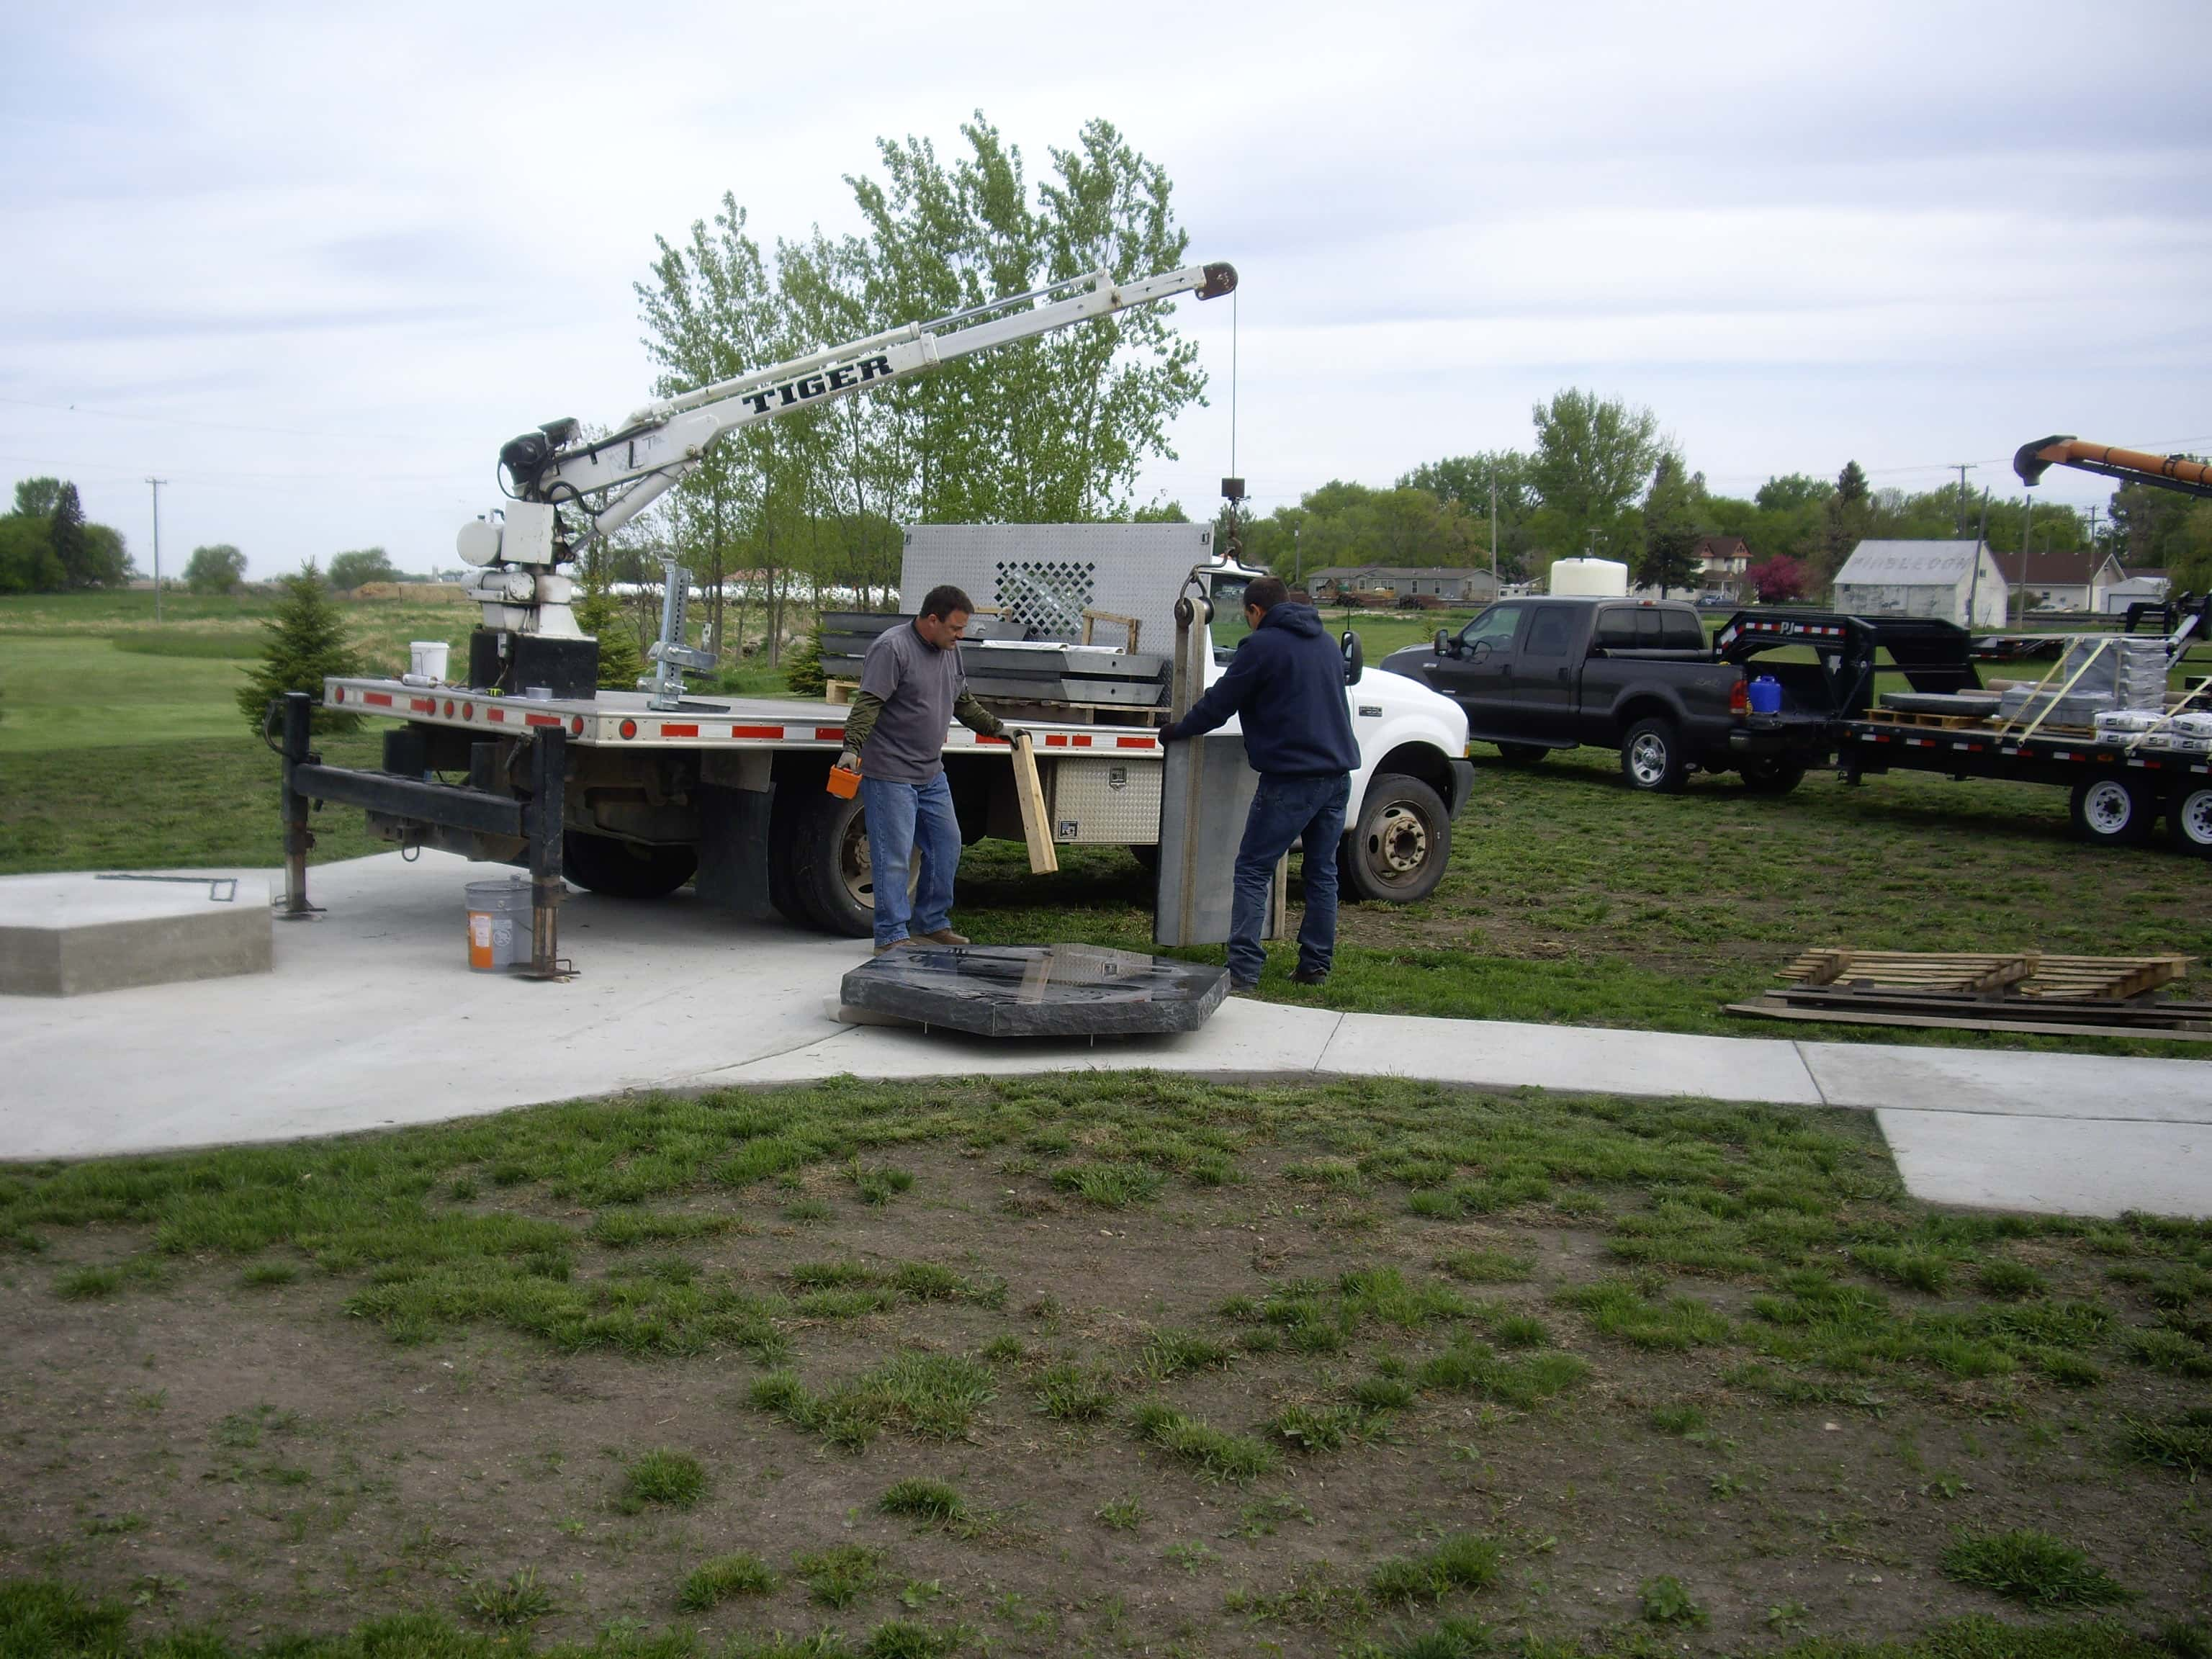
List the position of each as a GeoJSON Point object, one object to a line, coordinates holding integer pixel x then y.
{"type": "Point", "coordinates": [372, 1019]}
{"type": "Point", "coordinates": [2012, 1084]}
{"type": "Point", "coordinates": [1497, 1053]}
{"type": "Point", "coordinates": [78, 933]}
{"type": "Point", "coordinates": [2052, 1166]}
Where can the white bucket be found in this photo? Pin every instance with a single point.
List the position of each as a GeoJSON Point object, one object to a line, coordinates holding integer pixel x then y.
{"type": "Point", "coordinates": [426, 662]}
{"type": "Point", "coordinates": [1604, 579]}
{"type": "Point", "coordinates": [499, 925]}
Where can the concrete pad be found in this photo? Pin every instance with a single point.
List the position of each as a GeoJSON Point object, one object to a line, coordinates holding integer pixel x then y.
{"type": "Point", "coordinates": [74, 934]}
{"type": "Point", "coordinates": [2012, 1084]}
{"type": "Point", "coordinates": [1501, 1054]}
{"type": "Point", "coordinates": [2052, 1166]}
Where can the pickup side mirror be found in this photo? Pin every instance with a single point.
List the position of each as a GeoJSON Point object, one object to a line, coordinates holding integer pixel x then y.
{"type": "Point", "coordinates": [1355, 659]}
{"type": "Point", "coordinates": [1446, 645]}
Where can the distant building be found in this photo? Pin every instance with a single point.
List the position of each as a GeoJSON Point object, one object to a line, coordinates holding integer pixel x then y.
{"type": "Point", "coordinates": [1450, 583]}
{"type": "Point", "coordinates": [1954, 581]}
{"type": "Point", "coordinates": [2145, 586]}
{"type": "Point", "coordinates": [2075, 581]}
{"type": "Point", "coordinates": [1723, 562]}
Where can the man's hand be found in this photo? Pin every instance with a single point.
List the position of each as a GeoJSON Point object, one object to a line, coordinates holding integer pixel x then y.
{"type": "Point", "coordinates": [1167, 734]}
{"type": "Point", "coordinates": [849, 762]}
{"type": "Point", "coordinates": [1008, 733]}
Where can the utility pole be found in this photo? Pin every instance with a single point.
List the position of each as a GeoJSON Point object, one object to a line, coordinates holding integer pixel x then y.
{"type": "Point", "coordinates": [157, 483]}
{"type": "Point", "coordinates": [1298, 554]}
{"type": "Point", "coordinates": [1965, 467]}
{"type": "Point", "coordinates": [1493, 530]}
{"type": "Point", "coordinates": [1981, 540]}
{"type": "Point", "coordinates": [2026, 539]}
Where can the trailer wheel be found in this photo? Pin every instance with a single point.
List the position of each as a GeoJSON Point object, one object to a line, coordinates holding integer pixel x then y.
{"type": "Point", "coordinates": [623, 869]}
{"type": "Point", "coordinates": [1772, 775]}
{"type": "Point", "coordinates": [2190, 819]}
{"type": "Point", "coordinates": [2112, 810]}
{"type": "Point", "coordinates": [1521, 754]}
{"type": "Point", "coordinates": [1398, 850]}
{"type": "Point", "coordinates": [1651, 756]}
{"type": "Point", "coordinates": [829, 873]}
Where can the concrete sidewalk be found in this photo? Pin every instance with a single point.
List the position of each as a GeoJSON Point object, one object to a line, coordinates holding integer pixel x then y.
{"type": "Point", "coordinates": [373, 1020]}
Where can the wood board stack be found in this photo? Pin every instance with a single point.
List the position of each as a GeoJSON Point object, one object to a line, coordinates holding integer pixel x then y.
{"type": "Point", "coordinates": [2030, 991]}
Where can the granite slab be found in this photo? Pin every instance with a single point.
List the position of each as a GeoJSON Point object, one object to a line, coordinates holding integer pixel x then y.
{"type": "Point", "coordinates": [1037, 990]}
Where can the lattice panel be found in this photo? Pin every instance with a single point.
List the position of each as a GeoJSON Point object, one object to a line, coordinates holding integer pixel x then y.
{"type": "Point", "coordinates": [1046, 596]}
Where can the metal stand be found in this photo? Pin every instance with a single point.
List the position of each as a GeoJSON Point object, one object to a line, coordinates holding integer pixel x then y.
{"type": "Point", "coordinates": [670, 655]}
{"type": "Point", "coordinates": [548, 771]}
{"type": "Point", "coordinates": [299, 717]}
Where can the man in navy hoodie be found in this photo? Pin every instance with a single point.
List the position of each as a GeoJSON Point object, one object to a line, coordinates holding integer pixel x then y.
{"type": "Point", "coordinates": [1285, 684]}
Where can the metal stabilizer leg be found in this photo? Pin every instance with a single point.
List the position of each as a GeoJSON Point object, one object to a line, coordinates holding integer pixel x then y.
{"type": "Point", "coordinates": [548, 767]}
{"type": "Point", "coordinates": [298, 723]}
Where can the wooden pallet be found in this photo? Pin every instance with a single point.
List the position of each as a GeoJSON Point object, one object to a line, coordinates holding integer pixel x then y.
{"type": "Point", "coordinates": [2032, 974]}
{"type": "Point", "coordinates": [838, 694]}
{"type": "Point", "coordinates": [1936, 722]}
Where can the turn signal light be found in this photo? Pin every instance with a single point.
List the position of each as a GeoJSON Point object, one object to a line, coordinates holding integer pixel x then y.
{"type": "Point", "coordinates": [1740, 697]}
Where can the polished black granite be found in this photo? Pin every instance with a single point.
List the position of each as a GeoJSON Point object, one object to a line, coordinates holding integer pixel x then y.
{"type": "Point", "coordinates": [1037, 990]}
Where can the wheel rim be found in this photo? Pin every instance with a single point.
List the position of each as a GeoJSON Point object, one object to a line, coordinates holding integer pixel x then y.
{"type": "Point", "coordinates": [2108, 807]}
{"type": "Point", "coordinates": [854, 867]}
{"type": "Point", "coordinates": [2193, 818]}
{"type": "Point", "coordinates": [1397, 846]}
{"type": "Point", "coordinates": [1647, 758]}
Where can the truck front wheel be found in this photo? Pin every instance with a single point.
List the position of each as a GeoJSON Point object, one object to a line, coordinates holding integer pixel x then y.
{"type": "Point", "coordinates": [1397, 851]}
{"type": "Point", "coordinates": [2112, 812]}
{"type": "Point", "coordinates": [1651, 756]}
{"type": "Point", "coordinates": [621, 869]}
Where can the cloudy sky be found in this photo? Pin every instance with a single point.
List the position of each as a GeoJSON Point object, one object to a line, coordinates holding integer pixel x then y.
{"type": "Point", "coordinates": [313, 265]}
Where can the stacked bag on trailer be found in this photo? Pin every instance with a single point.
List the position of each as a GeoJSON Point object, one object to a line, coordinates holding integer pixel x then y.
{"type": "Point", "coordinates": [2178, 734]}
{"type": "Point", "coordinates": [2096, 677]}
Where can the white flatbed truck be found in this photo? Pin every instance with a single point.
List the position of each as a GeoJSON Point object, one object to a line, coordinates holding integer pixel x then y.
{"type": "Point", "coordinates": [633, 793]}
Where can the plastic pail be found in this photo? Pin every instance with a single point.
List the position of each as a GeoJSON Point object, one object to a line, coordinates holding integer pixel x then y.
{"type": "Point", "coordinates": [427, 660]}
{"type": "Point", "coordinates": [1766, 696]}
{"type": "Point", "coordinates": [499, 925]}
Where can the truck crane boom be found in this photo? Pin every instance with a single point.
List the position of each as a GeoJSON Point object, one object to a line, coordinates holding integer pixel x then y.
{"type": "Point", "coordinates": [567, 489]}
{"type": "Point", "coordinates": [2128, 465]}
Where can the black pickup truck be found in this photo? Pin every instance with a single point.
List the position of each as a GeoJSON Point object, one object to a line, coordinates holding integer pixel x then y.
{"type": "Point", "coordinates": [1538, 674]}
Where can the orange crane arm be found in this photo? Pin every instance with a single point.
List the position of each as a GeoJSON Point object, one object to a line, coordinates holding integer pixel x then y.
{"type": "Point", "coordinates": [2129, 466]}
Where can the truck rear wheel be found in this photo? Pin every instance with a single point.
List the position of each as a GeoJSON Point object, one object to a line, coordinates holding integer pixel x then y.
{"type": "Point", "coordinates": [828, 867]}
{"type": "Point", "coordinates": [2112, 810]}
{"type": "Point", "coordinates": [1651, 756]}
{"type": "Point", "coordinates": [1398, 850]}
{"type": "Point", "coordinates": [623, 869]}
{"type": "Point", "coordinates": [2190, 819]}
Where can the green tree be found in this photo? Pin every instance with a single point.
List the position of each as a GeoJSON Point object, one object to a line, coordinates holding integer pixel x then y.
{"type": "Point", "coordinates": [600, 614]}
{"type": "Point", "coordinates": [37, 498]}
{"type": "Point", "coordinates": [1467, 480]}
{"type": "Point", "coordinates": [1591, 458]}
{"type": "Point", "coordinates": [2151, 525]}
{"type": "Point", "coordinates": [1159, 513]}
{"type": "Point", "coordinates": [216, 569]}
{"type": "Point", "coordinates": [362, 566]}
{"type": "Point", "coordinates": [304, 642]}
{"type": "Point", "coordinates": [65, 534]}
{"type": "Point", "coordinates": [1670, 555]}
{"type": "Point", "coordinates": [28, 564]}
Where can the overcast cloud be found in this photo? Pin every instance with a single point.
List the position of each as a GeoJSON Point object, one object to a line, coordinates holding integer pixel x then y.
{"type": "Point", "coordinates": [312, 266]}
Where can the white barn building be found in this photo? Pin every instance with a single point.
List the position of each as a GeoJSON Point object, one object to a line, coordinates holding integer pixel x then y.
{"type": "Point", "coordinates": [1953, 581]}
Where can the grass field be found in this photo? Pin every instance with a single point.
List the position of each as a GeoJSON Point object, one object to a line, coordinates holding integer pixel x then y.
{"type": "Point", "coordinates": [1107, 1365]}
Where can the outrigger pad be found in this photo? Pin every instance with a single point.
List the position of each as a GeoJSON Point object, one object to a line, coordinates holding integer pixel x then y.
{"type": "Point", "coordinates": [1037, 990]}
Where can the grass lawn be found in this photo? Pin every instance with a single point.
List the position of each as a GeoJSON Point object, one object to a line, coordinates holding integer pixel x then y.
{"type": "Point", "coordinates": [1110, 1365]}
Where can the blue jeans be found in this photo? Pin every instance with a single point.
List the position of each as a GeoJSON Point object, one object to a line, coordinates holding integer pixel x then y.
{"type": "Point", "coordinates": [1284, 810]}
{"type": "Point", "coordinates": [901, 816]}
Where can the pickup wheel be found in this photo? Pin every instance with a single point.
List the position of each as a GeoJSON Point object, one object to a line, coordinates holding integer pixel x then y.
{"type": "Point", "coordinates": [1398, 850]}
{"type": "Point", "coordinates": [1521, 754]}
{"type": "Point", "coordinates": [2190, 819]}
{"type": "Point", "coordinates": [2112, 810]}
{"type": "Point", "coordinates": [1651, 756]}
{"type": "Point", "coordinates": [1772, 775]}
{"type": "Point", "coordinates": [829, 873]}
{"type": "Point", "coordinates": [621, 869]}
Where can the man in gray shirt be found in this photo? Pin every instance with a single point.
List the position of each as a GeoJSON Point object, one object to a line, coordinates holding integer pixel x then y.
{"type": "Point", "coordinates": [911, 691]}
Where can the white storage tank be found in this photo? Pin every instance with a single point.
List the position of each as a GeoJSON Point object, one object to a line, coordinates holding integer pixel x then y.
{"type": "Point", "coordinates": [1602, 578]}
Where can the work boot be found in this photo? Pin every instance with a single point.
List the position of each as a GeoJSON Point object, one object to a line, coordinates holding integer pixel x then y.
{"type": "Point", "coordinates": [893, 945]}
{"type": "Point", "coordinates": [946, 936]}
{"type": "Point", "coordinates": [1310, 976]}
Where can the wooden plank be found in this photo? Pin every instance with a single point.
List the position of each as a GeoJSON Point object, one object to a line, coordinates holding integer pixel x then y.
{"type": "Point", "coordinates": [2041, 1028]}
{"type": "Point", "coordinates": [838, 693]}
{"type": "Point", "coordinates": [1036, 825]}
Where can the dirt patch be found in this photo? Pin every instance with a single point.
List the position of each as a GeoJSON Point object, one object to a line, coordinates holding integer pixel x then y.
{"type": "Point", "coordinates": [250, 1455]}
